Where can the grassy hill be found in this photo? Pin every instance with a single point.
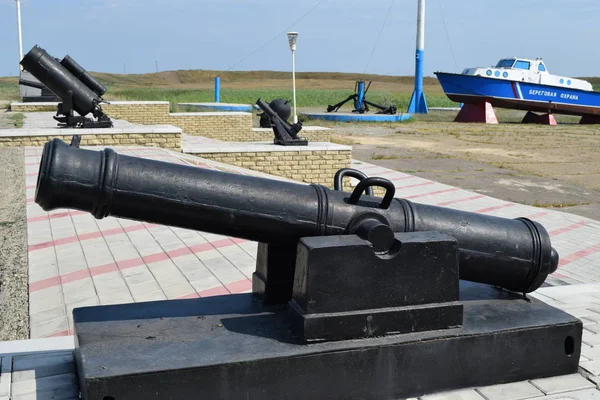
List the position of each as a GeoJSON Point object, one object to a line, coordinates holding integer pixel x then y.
{"type": "Point", "coordinates": [314, 89]}
{"type": "Point", "coordinates": [247, 79]}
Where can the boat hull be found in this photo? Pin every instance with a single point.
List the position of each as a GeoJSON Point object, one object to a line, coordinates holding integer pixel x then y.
{"type": "Point", "coordinates": [472, 89]}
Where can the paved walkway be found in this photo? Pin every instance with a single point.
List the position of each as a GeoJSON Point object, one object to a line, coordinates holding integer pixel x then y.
{"type": "Point", "coordinates": [76, 260]}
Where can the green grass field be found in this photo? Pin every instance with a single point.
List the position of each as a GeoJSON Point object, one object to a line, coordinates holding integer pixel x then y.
{"type": "Point", "coordinates": [9, 89]}
{"type": "Point", "coordinates": [305, 97]}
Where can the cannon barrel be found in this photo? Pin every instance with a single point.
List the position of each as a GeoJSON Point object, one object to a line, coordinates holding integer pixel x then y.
{"type": "Point", "coordinates": [77, 70]}
{"type": "Point", "coordinates": [59, 80]}
{"type": "Point", "coordinates": [515, 254]}
{"type": "Point", "coordinates": [33, 84]}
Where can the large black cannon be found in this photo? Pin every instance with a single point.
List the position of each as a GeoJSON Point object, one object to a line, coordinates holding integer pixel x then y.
{"type": "Point", "coordinates": [78, 90]}
{"type": "Point", "coordinates": [515, 254]}
{"type": "Point", "coordinates": [354, 296]}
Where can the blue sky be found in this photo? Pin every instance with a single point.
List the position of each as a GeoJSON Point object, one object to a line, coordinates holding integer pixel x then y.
{"type": "Point", "coordinates": [339, 35]}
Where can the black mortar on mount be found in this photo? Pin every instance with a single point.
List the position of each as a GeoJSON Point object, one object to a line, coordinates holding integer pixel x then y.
{"type": "Point", "coordinates": [78, 90]}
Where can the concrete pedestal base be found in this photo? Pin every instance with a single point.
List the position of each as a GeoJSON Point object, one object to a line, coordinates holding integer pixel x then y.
{"type": "Point", "coordinates": [479, 113]}
{"type": "Point", "coordinates": [233, 347]}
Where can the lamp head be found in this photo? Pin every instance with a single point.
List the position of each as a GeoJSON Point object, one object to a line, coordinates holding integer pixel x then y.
{"type": "Point", "coordinates": [292, 38]}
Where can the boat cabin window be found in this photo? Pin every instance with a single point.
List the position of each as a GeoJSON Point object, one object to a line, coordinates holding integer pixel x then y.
{"type": "Point", "coordinates": [542, 67]}
{"type": "Point", "coordinates": [505, 63]}
{"type": "Point", "coordinates": [522, 64]}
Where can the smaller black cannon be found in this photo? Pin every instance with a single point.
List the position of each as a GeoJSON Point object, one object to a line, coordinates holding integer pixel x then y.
{"type": "Point", "coordinates": [286, 134]}
{"type": "Point", "coordinates": [34, 91]}
{"type": "Point", "coordinates": [281, 107]}
{"type": "Point", "coordinates": [77, 89]}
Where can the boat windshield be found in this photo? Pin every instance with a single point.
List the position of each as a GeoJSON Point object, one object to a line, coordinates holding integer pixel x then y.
{"type": "Point", "coordinates": [505, 63]}
{"type": "Point", "coordinates": [523, 64]}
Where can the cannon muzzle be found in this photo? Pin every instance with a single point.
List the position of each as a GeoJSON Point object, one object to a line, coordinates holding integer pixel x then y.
{"type": "Point", "coordinates": [515, 254]}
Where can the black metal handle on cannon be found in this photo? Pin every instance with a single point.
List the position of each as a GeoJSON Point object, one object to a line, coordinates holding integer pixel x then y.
{"type": "Point", "coordinates": [367, 184]}
{"type": "Point", "coordinates": [351, 172]}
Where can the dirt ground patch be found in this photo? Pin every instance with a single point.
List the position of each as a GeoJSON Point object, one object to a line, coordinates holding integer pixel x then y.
{"type": "Point", "coordinates": [10, 120]}
{"type": "Point", "coordinates": [546, 166]}
{"type": "Point", "coordinates": [14, 293]}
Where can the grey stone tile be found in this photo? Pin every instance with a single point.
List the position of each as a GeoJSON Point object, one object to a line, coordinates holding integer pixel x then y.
{"type": "Point", "coordinates": [75, 291]}
{"type": "Point", "coordinates": [561, 384]}
{"type": "Point", "coordinates": [90, 301]}
{"type": "Point", "coordinates": [38, 274]}
{"type": "Point", "coordinates": [596, 313]}
{"type": "Point", "coordinates": [110, 282]}
{"type": "Point", "coordinates": [42, 295]}
{"type": "Point", "coordinates": [224, 270]}
{"type": "Point", "coordinates": [142, 288]}
{"type": "Point", "coordinates": [150, 296]}
{"type": "Point", "coordinates": [587, 394]}
{"type": "Point", "coordinates": [510, 391]}
{"type": "Point", "coordinates": [47, 315]}
{"type": "Point", "coordinates": [595, 328]}
{"type": "Point", "coordinates": [592, 367]}
{"type": "Point", "coordinates": [584, 312]}
{"type": "Point", "coordinates": [175, 291]}
{"type": "Point", "coordinates": [592, 353]}
{"type": "Point", "coordinates": [590, 338]}
{"type": "Point", "coordinates": [138, 275]}
{"type": "Point", "coordinates": [37, 305]}
{"type": "Point", "coordinates": [48, 328]}
{"type": "Point", "coordinates": [115, 297]}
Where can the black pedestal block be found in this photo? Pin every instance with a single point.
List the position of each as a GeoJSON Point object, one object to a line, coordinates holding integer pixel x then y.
{"type": "Point", "coordinates": [344, 290]}
{"type": "Point", "coordinates": [234, 347]}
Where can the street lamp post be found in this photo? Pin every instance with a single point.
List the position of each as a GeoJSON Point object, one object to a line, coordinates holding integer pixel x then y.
{"type": "Point", "coordinates": [20, 35]}
{"type": "Point", "coordinates": [293, 38]}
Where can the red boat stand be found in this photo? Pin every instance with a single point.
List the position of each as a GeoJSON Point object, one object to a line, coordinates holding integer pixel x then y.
{"type": "Point", "coordinates": [480, 112]}
{"type": "Point", "coordinates": [543, 119]}
{"type": "Point", "coordinates": [590, 119]}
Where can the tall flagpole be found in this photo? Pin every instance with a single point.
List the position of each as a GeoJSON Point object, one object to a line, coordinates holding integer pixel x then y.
{"type": "Point", "coordinates": [418, 103]}
{"type": "Point", "coordinates": [20, 34]}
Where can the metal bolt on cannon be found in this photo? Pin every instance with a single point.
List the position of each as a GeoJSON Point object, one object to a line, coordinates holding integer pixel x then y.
{"type": "Point", "coordinates": [354, 296]}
